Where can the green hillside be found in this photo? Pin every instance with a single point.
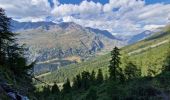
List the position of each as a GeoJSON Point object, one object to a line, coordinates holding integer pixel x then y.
{"type": "Point", "coordinates": [144, 74]}
{"type": "Point", "coordinates": [147, 54]}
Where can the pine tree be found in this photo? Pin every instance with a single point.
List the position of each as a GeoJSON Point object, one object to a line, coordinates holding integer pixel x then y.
{"type": "Point", "coordinates": [77, 82]}
{"type": "Point", "coordinates": [6, 36]}
{"type": "Point", "coordinates": [114, 63]}
{"type": "Point", "coordinates": [11, 54]}
{"type": "Point", "coordinates": [99, 76]}
{"type": "Point", "coordinates": [66, 87]}
{"type": "Point", "coordinates": [93, 77]}
{"type": "Point", "coordinates": [55, 89]}
{"type": "Point", "coordinates": [131, 71]}
{"type": "Point", "coordinates": [85, 80]}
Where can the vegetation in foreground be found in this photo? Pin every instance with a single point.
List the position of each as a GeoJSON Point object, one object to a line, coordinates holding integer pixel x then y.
{"type": "Point", "coordinates": [121, 84]}
{"type": "Point", "coordinates": [15, 74]}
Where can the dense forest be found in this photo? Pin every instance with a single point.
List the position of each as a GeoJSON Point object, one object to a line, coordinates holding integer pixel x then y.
{"type": "Point", "coordinates": [120, 76]}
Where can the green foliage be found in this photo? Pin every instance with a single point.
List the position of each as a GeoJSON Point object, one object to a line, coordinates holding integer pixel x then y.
{"type": "Point", "coordinates": [92, 94]}
{"type": "Point", "coordinates": [6, 37]}
{"type": "Point", "coordinates": [55, 89]}
{"type": "Point", "coordinates": [138, 85]}
{"type": "Point", "coordinates": [77, 82]}
{"type": "Point", "coordinates": [93, 77]}
{"type": "Point", "coordinates": [66, 87]}
{"type": "Point", "coordinates": [148, 56]}
{"type": "Point", "coordinates": [13, 66]}
{"type": "Point", "coordinates": [114, 63]}
{"type": "Point", "coordinates": [85, 80]}
{"type": "Point", "coordinates": [167, 61]}
{"type": "Point", "coordinates": [135, 88]}
{"type": "Point", "coordinates": [99, 78]}
{"type": "Point", "coordinates": [131, 71]}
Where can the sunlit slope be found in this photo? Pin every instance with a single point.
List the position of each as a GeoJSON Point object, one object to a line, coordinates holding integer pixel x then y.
{"type": "Point", "coordinates": [146, 54]}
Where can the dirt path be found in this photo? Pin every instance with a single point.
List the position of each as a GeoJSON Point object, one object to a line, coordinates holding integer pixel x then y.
{"type": "Point", "coordinates": [152, 46]}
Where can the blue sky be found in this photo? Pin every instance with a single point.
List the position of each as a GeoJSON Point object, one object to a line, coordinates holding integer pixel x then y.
{"type": "Point", "coordinates": [124, 17]}
{"type": "Point", "coordinates": [157, 1]}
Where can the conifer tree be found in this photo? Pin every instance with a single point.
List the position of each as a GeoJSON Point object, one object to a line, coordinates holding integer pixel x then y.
{"type": "Point", "coordinates": [55, 89]}
{"type": "Point", "coordinates": [67, 86]}
{"type": "Point", "coordinates": [131, 71]}
{"type": "Point", "coordinates": [99, 76]}
{"type": "Point", "coordinates": [77, 82]}
{"type": "Point", "coordinates": [6, 36]}
{"type": "Point", "coordinates": [114, 63]}
{"type": "Point", "coordinates": [85, 80]}
{"type": "Point", "coordinates": [93, 77]}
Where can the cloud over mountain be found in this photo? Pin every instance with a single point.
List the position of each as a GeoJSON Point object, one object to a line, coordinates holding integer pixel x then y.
{"type": "Point", "coordinates": [117, 16]}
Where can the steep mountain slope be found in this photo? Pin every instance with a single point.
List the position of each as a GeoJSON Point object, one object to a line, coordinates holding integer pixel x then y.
{"type": "Point", "coordinates": [55, 45]}
{"type": "Point", "coordinates": [140, 36]}
{"type": "Point", "coordinates": [147, 54]}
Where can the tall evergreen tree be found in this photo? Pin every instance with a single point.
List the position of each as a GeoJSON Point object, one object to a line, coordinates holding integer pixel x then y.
{"type": "Point", "coordinates": [114, 63]}
{"type": "Point", "coordinates": [6, 36]}
{"type": "Point", "coordinates": [93, 77]}
{"type": "Point", "coordinates": [66, 87]}
{"type": "Point", "coordinates": [85, 80]}
{"type": "Point", "coordinates": [77, 82]}
{"type": "Point", "coordinates": [99, 76]}
{"type": "Point", "coordinates": [55, 89]}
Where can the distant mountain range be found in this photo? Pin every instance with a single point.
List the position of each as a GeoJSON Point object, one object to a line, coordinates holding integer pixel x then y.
{"type": "Point", "coordinates": [140, 36]}
{"type": "Point", "coordinates": [54, 45]}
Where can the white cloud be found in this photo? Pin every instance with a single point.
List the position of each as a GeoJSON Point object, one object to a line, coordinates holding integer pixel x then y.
{"type": "Point", "coordinates": [85, 8]}
{"type": "Point", "coordinates": [151, 27]}
{"type": "Point", "coordinates": [26, 8]}
{"type": "Point", "coordinates": [117, 16]}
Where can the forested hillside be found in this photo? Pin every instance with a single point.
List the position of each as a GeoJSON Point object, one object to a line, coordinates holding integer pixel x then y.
{"type": "Point", "coordinates": [146, 54]}
{"type": "Point", "coordinates": [140, 71]}
{"type": "Point", "coordinates": [122, 82]}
